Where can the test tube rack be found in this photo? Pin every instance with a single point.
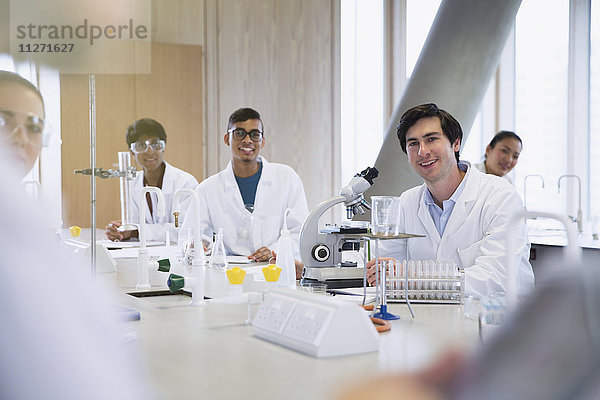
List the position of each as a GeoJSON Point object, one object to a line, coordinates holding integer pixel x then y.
{"type": "Point", "coordinates": [425, 281]}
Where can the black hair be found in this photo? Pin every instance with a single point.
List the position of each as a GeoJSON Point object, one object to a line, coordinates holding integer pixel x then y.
{"type": "Point", "coordinates": [11, 77]}
{"type": "Point", "coordinates": [145, 126]}
{"type": "Point", "coordinates": [500, 136]}
{"type": "Point", "coordinates": [450, 125]}
{"type": "Point", "coordinates": [244, 114]}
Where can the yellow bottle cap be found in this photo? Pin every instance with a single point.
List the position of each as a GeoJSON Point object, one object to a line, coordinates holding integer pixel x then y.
{"type": "Point", "coordinates": [236, 275]}
{"type": "Point", "coordinates": [75, 231]}
{"type": "Point", "coordinates": [271, 273]}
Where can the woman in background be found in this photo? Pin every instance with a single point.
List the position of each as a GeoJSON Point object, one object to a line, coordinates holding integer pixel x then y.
{"type": "Point", "coordinates": [501, 155]}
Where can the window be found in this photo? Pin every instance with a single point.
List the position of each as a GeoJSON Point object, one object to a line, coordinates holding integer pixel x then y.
{"type": "Point", "coordinates": [362, 122]}
{"type": "Point", "coordinates": [542, 50]}
{"type": "Point", "coordinates": [595, 111]}
{"type": "Point", "coordinates": [417, 29]}
{"type": "Point", "coordinates": [547, 90]}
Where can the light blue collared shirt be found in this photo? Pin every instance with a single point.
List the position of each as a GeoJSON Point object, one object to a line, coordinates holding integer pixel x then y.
{"type": "Point", "coordinates": [440, 217]}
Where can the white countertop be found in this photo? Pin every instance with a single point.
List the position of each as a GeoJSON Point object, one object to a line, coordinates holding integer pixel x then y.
{"type": "Point", "coordinates": [209, 352]}
{"type": "Point", "coordinates": [550, 239]}
{"type": "Point", "coordinates": [549, 232]}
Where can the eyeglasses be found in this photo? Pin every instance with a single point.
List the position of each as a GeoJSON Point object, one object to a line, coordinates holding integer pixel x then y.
{"type": "Point", "coordinates": [31, 125]}
{"type": "Point", "coordinates": [240, 134]}
{"type": "Point", "coordinates": [142, 146]}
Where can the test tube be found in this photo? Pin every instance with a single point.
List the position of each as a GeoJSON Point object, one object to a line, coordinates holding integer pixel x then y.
{"type": "Point", "coordinates": [437, 276]}
{"type": "Point", "coordinates": [397, 276]}
{"type": "Point", "coordinates": [455, 275]}
{"type": "Point", "coordinates": [406, 276]}
{"type": "Point", "coordinates": [425, 283]}
{"type": "Point", "coordinates": [395, 285]}
{"type": "Point", "coordinates": [444, 276]}
{"type": "Point", "coordinates": [418, 275]}
{"type": "Point", "coordinates": [411, 276]}
{"type": "Point", "coordinates": [390, 278]}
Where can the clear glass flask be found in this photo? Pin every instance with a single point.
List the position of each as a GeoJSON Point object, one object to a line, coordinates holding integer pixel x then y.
{"type": "Point", "coordinates": [218, 257]}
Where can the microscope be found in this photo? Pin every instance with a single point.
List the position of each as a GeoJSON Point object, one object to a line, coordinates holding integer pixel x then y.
{"type": "Point", "coordinates": [321, 251]}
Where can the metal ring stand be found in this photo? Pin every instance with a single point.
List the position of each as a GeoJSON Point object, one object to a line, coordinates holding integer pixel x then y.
{"type": "Point", "coordinates": [380, 295]}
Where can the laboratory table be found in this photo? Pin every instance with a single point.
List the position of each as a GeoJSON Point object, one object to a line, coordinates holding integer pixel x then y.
{"type": "Point", "coordinates": [209, 352]}
{"type": "Point", "coordinates": [547, 247]}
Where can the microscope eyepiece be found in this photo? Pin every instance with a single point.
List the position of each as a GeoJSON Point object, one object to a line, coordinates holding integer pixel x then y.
{"type": "Point", "coordinates": [369, 174]}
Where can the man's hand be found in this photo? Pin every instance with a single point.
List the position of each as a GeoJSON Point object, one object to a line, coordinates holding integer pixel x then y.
{"type": "Point", "coordinates": [371, 269]}
{"type": "Point", "coordinates": [112, 232]}
{"type": "Point", "coordinates": [262, 254]}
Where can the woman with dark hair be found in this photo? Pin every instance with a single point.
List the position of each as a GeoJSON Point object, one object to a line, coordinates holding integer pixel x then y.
{"type": "Point", "coordinates": [501, 155]}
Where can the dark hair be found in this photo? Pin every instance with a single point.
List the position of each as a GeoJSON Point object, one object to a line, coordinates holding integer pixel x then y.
{"type": "Point", "coordinates": [244, 114]}
{"type": "Point", "coordinates": [450, 126]}
{"type": "Point", "coordinates": [11, 77]}
{"type": "Point", "coordinates": [145, 126]}
{"type": "Point", "coordinates": [500, 136]}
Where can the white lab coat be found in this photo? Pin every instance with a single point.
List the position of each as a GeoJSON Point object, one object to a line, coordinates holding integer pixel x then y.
{"type": "Point", "coordinates": [60, 340]}
{"type": "Point", "coordinates": [476, 236]}
{"type": "Point", "coordinates": [481, 167]}
{"type": "Point", "coordinates": [156, 228]}
{"type": "Point", "coordinates": [221, 206]}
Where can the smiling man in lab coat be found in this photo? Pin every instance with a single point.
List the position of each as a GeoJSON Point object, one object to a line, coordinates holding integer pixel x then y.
{"type": "Point", "coordinates": [463, 214]}
{"type": "Point", "coordinates": [249, 198]}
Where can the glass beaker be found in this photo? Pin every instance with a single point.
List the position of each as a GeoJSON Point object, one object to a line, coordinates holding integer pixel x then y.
{"type": "Point", "coordinates": [125, 183]}
{"type": "Point", "coordinates": [385, 215]}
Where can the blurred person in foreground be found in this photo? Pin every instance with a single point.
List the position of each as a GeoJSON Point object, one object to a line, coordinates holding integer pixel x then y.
{"type": "Point", "coordinates": [59, 339]}
{"type": "Point", "coordinates": [548, 348]}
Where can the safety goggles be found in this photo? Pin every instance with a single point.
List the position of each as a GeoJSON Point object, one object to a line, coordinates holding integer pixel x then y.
{"type": "Point", "coordinates": [240, 134]}
{"type": "Point", "coordinates": [31, 126]}
{"type": "Point", "coordinates": [142, 146]}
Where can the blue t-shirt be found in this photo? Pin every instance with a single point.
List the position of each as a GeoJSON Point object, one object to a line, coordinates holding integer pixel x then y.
{"type": "Point", "coordinates": [248, 188]}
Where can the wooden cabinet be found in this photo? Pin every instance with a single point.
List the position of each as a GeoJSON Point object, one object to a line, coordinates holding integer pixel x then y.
{"type": "Point", "coordinates": [171, 94]}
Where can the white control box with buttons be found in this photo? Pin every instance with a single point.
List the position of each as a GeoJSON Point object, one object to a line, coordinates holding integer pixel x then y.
{"type": "Point", "coordinates": [314, 324]}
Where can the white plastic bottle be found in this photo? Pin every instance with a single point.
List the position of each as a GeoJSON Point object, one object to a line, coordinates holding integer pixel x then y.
{"type": "Point", "coordinates": [285, 256]}
{"type": "Point", "coordinates": [218, 258]}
